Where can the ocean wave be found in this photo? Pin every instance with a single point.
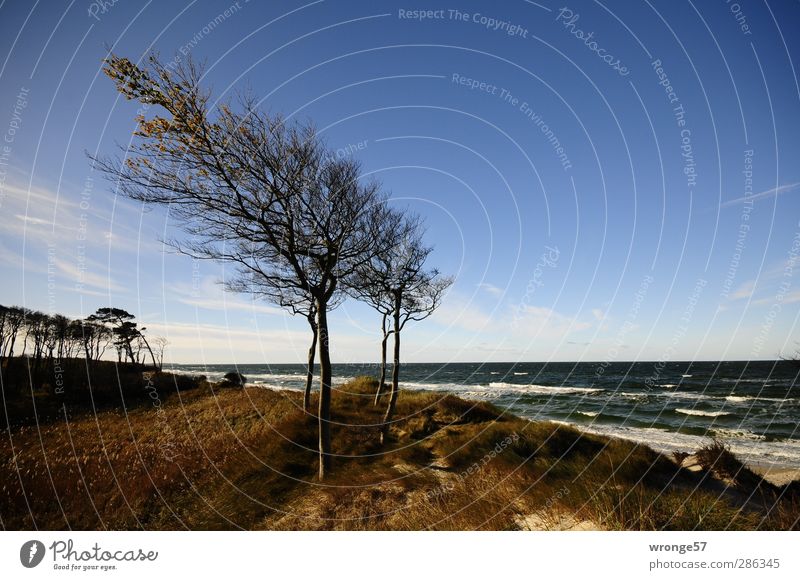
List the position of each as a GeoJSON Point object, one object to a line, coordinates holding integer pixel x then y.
{"type": "Point", "coordinates": [699, 413]}
{"type": "Point", "coordinates": [543, 390]}
{"type": "Point", "coordinates": [736, 399]}
{"type": "Point", "coordinates": [589, 413]}
{"type": "Point", "coordinates": [685, 395]}
{"type": "Point", "coordinates": [270, 386]}
{"type": "Point", "coordinates": [747, 446]}
{"type": "Point", "coordinates": [737, 434]}
{"type": "Point", "coordinates": [668, 386]}
{"type": "Point", "coordinates": [520, 374]}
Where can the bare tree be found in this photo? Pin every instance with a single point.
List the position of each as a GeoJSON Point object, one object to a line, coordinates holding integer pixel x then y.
{"type": "Point", "coordinates": [12, 320]}
{"type": "Point", "coordinates": [397, 285]}
{"type": "Point", "coordinates": [94, 338]}
{"type": "Point", "coordinates": [160, 344]}
{"type": "Point", "coordinates": [250, 189]}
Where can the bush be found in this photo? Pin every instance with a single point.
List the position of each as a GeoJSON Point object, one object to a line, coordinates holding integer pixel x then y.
{"type": "Point", "coordinates": [234, 379]}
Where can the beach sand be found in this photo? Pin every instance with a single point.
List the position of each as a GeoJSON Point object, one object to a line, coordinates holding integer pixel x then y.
{"type": "Point", "coordinates": [776, 474]}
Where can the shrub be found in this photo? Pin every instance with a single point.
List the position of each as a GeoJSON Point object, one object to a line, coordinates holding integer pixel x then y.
{"type": "Point", "coordinates": [234, 379]}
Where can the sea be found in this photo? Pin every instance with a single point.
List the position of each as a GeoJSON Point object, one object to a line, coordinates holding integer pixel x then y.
{"type": "Point", "coordinates": [753, 407]}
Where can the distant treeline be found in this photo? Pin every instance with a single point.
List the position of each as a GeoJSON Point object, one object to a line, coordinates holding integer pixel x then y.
{"type": "Point", "coordinates": [43, 336]}
{"type": "Point", "coordinates": [50, 360]}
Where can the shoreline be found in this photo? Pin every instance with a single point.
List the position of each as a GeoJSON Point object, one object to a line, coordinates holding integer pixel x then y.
{"type": "Point", "coordinates": [774, 471]}
{"type": "Point", "coordinates": [448, 464]}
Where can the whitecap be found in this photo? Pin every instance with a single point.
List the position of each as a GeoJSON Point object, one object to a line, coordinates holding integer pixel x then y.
{"type": "Point", "coordinates": [543, 390]}
{"type": "Point", "coordinates": [699, 413]}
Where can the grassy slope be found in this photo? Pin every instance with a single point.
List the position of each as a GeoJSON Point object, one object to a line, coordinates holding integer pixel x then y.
{"type": "Point", "coordinates": [227, 459]}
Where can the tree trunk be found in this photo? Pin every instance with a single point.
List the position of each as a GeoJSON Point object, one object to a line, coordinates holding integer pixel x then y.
{"type": "Point", "coordinates": [382, 379]}
{"type": "Point", "coordinates": [310, 370]}
{"type": "Point", "coordinates": [152, 356]}
{"type": "Point", "coordinates": [324, 391]}
{"type": "Point", "coordinates": [387, 418]}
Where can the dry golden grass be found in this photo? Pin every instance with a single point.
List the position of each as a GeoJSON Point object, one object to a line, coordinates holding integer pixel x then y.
{"type": "Point", "coordinates": [246, 458]}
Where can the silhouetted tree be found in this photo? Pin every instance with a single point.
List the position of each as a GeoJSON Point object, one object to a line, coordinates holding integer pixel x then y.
{"type": "Point", "coordinates": [251, 189]}
{"type": "Point", "coordinates": [397, 285]}
{"type": "Point", "coordinates": [159, 347]}
{"type": "Point", "coordinates": [12, 320]}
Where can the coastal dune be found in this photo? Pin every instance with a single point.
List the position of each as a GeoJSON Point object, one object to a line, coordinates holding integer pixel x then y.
{"type": "Point", "coordinates": [245, 458]}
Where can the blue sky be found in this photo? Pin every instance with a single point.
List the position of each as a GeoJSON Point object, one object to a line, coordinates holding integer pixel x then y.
{"type": "Point", "coordinates": [606, 181]}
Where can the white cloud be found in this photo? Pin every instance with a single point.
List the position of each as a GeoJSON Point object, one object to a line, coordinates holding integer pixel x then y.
{"type": "Point", "coordinates": [207, 294]}
{"type": "Point", "coordinates": [491, 289]}
{"type": "Point", "coordinates": [767, 193]}
{"type": "Point", "coordinates": [744, 291]}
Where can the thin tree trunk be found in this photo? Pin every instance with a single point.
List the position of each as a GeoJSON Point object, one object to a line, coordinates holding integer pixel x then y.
{"type": "Point", "coordinates": [326, 377]}
{"type": "Point", "coordinates": [382, 379]}
{"type": "Point", "coordinates": [310, 371]}
{"type": "Point", "coordinates": [152, 356]}
{"type": "Point", "coordinates": [395, 372]}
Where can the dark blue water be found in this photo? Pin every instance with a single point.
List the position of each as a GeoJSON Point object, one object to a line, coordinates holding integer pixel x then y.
{"type": "Point", "coordinates": [754, 407]}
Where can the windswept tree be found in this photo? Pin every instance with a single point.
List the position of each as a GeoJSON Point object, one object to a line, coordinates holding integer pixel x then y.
{"type": "Point", "coordinates": [128, 337]}
{"type": "Point", "coordinates": [298, 302]}
{"type": "Point", "coordinates": [13, 322]}
{"type": "Point", "coordinates": [160, 345]}
{"type": "Point", "coordinates": [250, 189]}
{"type": "Point", "coordinates": [94, 338]}
{"type": "Point", "coordinates": [396, 283]}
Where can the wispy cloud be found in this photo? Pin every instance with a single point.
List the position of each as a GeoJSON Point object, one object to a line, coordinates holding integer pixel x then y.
{"type": "Point", "coordinates": [491, 289]}
{"type": "Point", "coordinates": [207, 294]}
{"type": "Point", "coordinates": [744, 291]}
{"type": "Point", "coordinates": [767, 193]}
{"type": "Point", "coordinates": [790, 298]}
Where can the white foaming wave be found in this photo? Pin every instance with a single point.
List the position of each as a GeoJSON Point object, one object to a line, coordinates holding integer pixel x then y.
{"type": "Point", "coordinates": [272, 387]}
{"type": "Point", "coordinates": [543, 390]}
{"type": "Point", "coordinates": [455, 387]}
{"type": "Point", "coordinates": [750, 449]}
{"type": "Point", "coordinates": [589, 413]}
{"type": "Point", "coordinates": [521, 374]}
{"type": "Point", "coordinates": [668, 386]}
{"type": "Point", "coordinates": [699, 413]}
{"type": "Point", "coordinates": [684, 395]}
{"type": "Point", "coordinates": [735, 399]}
{"type": "Point", "coordinates": [737, 434]}
{"type": "Point", "coordinates": [744, 399]}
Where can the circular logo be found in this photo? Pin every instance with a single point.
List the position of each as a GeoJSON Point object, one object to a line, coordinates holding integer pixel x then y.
{"type": "Point", "coordinates": [31, 553]}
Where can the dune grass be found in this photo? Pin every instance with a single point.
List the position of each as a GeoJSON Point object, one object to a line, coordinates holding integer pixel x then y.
{"type": "Point", "coordinates": [216, 458]}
